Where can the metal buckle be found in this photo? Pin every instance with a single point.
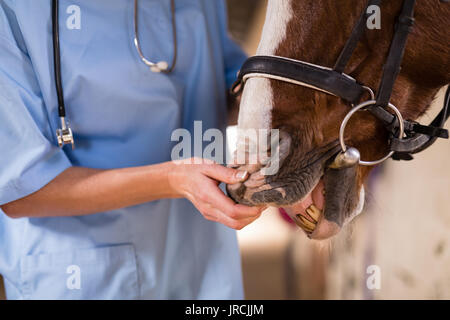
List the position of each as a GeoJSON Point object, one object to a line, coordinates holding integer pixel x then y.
{"type": "Point", "coordinates": [359, 107]}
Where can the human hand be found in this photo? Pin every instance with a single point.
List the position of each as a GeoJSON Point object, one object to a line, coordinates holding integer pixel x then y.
{"type": "Point", "coordinates": [199, 184]}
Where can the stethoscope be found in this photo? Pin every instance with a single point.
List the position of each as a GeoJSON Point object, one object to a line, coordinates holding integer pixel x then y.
{"type": "Point", "coordinates": [64, 134]}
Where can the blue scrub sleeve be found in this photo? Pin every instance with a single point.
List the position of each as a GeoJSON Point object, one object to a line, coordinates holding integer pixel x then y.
{"type": "Point", "coordinates": [234, 56]}
{"type": "Point", "coordinates": [29, 158]}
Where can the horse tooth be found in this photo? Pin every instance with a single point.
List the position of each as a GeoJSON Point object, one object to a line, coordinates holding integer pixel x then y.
{"type": "Point", "coordinates": [314, 212]}
{"type": "Point", "coordinates": [311, 214]}
{"type": "Point", "coordinates": [303, 226]}
{"type": "Point", "coordinates": [309, 224]}
{"type": "Point", "coordinates": [314, 207]}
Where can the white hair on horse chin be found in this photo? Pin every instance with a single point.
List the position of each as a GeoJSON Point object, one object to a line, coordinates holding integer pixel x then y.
{"type": "Point", "coordinates": [359, 208]}
{"type": "Point", "coordinates": [257, 98]}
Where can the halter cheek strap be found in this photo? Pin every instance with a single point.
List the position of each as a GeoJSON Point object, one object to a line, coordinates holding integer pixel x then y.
{"type": "Point", "coordinates": [335, 82]}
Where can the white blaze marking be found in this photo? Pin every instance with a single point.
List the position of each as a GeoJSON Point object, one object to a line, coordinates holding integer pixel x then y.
{"type": "Point", "coordinates": [257, 98]}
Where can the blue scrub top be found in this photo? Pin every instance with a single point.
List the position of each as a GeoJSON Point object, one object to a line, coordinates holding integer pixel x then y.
{"type": "Point", "coordinates": [122, 115]}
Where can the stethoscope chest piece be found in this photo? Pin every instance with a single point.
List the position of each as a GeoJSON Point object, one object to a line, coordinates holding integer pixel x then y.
{"type": "Point", "coordinates": [65, 135]}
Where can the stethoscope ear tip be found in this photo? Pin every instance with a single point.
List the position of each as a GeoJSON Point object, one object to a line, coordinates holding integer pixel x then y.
{"type": "Point", "coordinates": [161, 66]}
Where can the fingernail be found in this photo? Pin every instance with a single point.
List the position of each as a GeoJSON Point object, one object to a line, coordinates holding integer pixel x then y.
{"type": "Point", "coordinates": [242, 175]}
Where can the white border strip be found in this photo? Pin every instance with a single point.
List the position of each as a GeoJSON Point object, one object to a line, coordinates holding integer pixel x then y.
{"type": "Point", "coordinates": [270, 76]}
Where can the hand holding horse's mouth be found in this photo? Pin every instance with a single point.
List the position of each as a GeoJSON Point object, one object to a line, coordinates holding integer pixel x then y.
{"type": "Point", "coordinates": [318, 197]}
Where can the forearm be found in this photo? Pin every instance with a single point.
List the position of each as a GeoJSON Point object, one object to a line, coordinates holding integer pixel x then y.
{"type": "Point", "coordinates": [82, 191]}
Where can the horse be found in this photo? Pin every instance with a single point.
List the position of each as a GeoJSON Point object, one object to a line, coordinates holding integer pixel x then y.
{"type": "Point", "coordinates": [320, 181]}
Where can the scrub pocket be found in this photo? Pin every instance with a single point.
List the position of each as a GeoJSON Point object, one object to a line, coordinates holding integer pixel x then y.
{"type": "Point", "coordinates": [98, 273]}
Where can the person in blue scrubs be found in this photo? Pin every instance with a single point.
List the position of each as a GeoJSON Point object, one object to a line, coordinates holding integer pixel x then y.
{"type": "Point", "coordinates": [115, 218]}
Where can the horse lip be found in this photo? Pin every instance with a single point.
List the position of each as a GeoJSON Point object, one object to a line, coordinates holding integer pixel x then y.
{"type": "Point", "coordinates": [320, 159]}
{"type": "Point", "coordinates": [341, 198]}
{"type": "Point", "coordinates": [325, 229]}
{"type": "Point", "coordinates": [342, 195]}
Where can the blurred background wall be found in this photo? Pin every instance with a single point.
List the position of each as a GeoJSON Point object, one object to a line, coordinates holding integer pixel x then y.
{"type": "Point", "coordinates": [404, 229]}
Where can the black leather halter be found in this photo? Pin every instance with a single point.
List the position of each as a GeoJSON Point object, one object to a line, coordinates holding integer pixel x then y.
{"type": "Point", "coordinates": [334, 81]}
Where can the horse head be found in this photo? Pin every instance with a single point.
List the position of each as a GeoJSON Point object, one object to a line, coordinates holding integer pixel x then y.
{"type": "Point", "coordinates": [321, 199]}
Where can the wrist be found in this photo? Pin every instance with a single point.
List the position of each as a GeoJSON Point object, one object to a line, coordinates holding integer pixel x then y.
{"type": "Point", "coordinates": [174, 178]}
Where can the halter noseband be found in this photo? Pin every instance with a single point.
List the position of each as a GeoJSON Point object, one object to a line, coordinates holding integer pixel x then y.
{"type": "Point", "coordinates": [406, 137]}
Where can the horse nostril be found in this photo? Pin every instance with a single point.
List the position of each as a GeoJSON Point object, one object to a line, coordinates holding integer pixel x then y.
{"type": "Point", "coordinates": [236, 191]}
{"type": "Point", "coordinates": [255, 180]}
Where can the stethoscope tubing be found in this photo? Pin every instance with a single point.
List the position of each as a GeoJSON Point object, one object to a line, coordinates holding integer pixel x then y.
{"type": "Point", "coordinates": [64, 134]}
{"type": "Point", "coordinates": [155, 66]}
{"type": "Point", "coordinates": [57, 58]}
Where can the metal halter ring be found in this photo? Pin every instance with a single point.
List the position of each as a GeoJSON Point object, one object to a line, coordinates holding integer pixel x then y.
{"type": "Point", "coordinates": [359, 107]}
{"type": "Point", "coordinates": [370, 91]}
